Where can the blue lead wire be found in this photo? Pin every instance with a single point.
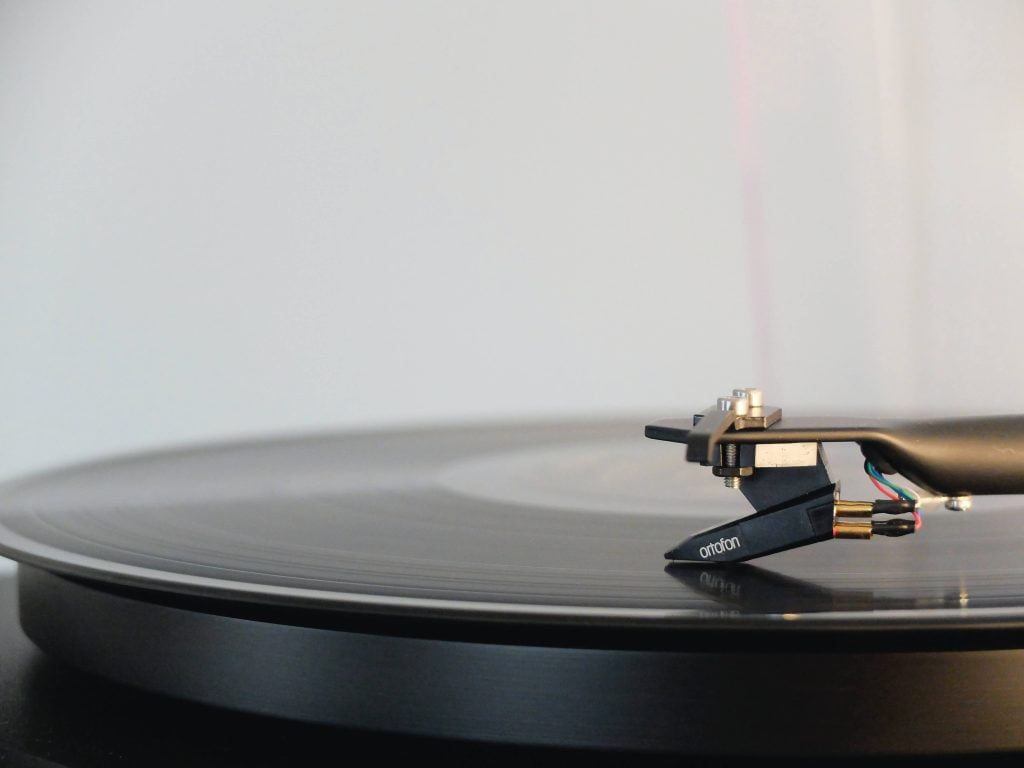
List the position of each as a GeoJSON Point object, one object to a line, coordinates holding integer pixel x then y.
{"type": "Point", "coordinates": [873, 471]}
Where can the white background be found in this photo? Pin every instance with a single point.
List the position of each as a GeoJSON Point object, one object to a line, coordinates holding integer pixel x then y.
{"type": "Point", "coordinates": [238, 218]}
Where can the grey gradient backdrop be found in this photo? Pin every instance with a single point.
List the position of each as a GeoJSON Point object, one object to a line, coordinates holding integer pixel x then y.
{"type": "Point", "coordinates": [237, 218]}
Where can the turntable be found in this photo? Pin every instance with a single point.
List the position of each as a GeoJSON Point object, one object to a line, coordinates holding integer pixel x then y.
{"type": "Point", "coordinates": [499, 585]}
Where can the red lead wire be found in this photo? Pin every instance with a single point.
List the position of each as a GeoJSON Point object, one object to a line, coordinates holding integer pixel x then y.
{"type": "Point", "coordinates": [883, 489]}
{"type": "Point", "coordinates": [894, 497]}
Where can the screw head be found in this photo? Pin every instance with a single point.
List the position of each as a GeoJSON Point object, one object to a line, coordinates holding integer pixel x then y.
{"type": "Point", "coordinates": [754, 396]}
{"type": "Point", "coordinates": [738, 405]}
{"type": "Point", "coordinates": [959, 503]}
{"type": "Point", "coordinates": [741, 403]}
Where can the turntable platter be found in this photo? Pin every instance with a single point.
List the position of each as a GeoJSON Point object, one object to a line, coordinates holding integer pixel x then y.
{"type": "Point", "coordinates": [507, 583]}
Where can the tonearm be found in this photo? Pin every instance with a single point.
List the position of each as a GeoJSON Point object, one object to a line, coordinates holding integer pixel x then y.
{"type": "Point", "coordinates": [779, 465]}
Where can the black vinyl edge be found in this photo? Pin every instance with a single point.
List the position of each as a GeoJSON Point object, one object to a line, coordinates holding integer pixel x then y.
{"type": "Point", "coordinates": [723, 636]}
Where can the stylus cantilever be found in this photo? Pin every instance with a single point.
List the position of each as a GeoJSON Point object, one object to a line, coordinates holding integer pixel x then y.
{"type": "Point", "coordinates": [779, 465]}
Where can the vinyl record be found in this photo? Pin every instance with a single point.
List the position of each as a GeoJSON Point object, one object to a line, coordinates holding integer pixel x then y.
{"type": "Point", "coordinates": [564, 521]}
